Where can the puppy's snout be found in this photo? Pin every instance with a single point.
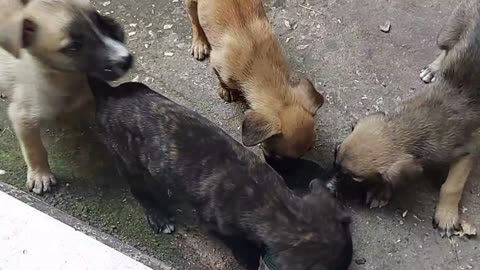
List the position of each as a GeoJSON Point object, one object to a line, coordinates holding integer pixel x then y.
{"type": "Point", "coordinates": [126, 62]}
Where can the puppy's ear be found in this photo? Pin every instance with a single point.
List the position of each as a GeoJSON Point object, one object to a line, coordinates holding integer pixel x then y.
{"type": "Point", "coordinates": [256, 128]}
{"type": "Point", "coordinates": [111, 28]}
{"type": "Point", "coordinates": [17, 33]}
{"type": "Point", "coordinates": [308, 96]}
{"type": "Point", "coordinates": [404, 167]}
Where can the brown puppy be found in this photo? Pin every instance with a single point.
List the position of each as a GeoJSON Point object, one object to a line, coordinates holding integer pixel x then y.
{"type": "Point", "coordinates": [438, 127]}
{"type": "Point", "coordinates": [48, 49]}
{"type": "Point", "coordinates": [248, 60]}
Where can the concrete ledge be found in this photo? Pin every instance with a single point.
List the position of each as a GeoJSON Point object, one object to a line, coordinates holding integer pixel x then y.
{"type": "Point", "coordinates": [34, 235]}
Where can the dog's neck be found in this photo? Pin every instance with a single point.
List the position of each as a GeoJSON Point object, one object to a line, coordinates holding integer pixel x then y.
{"type": "Point", "coordinates": [279, 225]}
{"type": "Point", "coordinates": [65, 81]}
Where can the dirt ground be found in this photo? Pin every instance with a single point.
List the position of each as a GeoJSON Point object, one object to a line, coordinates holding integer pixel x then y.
{"type": "Point", "coordinates": [336, 43]}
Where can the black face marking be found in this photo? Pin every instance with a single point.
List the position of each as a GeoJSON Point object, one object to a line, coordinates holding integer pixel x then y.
{"type": "Point", "coordinates": [96, 46]}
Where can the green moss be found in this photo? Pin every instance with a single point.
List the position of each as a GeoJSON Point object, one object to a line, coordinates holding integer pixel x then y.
{"type": "Point", "coordinates": [89, 188]}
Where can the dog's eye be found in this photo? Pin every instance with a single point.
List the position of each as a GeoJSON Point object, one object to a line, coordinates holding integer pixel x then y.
{"type": "Point", "coordinates": [74, 46]}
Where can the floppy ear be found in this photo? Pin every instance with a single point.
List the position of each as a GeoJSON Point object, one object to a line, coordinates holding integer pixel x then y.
{"type": "Point", "coordinates": [404, 167]}
{"type": "Point", "coordinates": [308, 96]}
{"type": "Point", "coordinates": [111, 28]}
{"type": "Point", "coordinates": [257, 128]}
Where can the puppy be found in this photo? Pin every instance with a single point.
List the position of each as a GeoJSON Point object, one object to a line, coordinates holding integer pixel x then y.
{"type": "Point", "coordinates": [49, 47]}
{"type": "Point", "coordinates": [439, 127]}
{"type": "Point", "coordinates": [248, 61]}
{"type": "Point", "coordinates": [162, 148]}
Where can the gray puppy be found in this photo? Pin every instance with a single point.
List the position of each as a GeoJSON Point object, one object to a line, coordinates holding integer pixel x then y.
{"type": "Point", "coordinates": [162, 147]}
{"type": "Point", "coordinates": [439, 127]}
{"type": "Point", "coordinates": [46, 50]}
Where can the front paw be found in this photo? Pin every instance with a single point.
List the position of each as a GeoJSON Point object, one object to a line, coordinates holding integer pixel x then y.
{"type": "Point", "coordinates": [428, 74]}
{"type": "Point", "coordinates": [160, 223]}
{"type": "Point", "coordinates": [379, 195]}
{"type": "Point", "coordinates": [447, 221]}
{"type": "Point", "coordinates": [40, 181]}
{"type": "Point", "coordinates": [228, 95]}
{"type": "Point", "coordinates": [200, 48]}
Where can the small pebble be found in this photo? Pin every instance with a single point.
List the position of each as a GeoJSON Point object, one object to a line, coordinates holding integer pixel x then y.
{"type": "Point", "coordinates": [361, 261]}
{"type": "Point", "coordinates": [2, 172]}
{"type": "Point", "coordinates": [404, 214]}
{"type": "Point", "coordinates": [167, 26]}
{"type": "Point", "coordinates": [386, 27]}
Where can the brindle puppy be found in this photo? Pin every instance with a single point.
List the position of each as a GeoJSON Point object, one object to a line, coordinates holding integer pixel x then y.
{"type": "Point", "coordinates": [160, 146]}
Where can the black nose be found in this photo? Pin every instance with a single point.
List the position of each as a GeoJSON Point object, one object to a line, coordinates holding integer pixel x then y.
{"type": "Point", "coordinates": [126, 63]}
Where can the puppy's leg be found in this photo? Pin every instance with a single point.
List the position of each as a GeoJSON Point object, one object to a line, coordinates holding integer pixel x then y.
{"type": "Point", "coordinates": [200, 46]}
{"type": "Point", "coordinates": [446, 40]}
{"type": "Point", "coordinates": [224, 91]}
{"type": "Point", "coordinates": [428, 73]}
{"type": "Point", "coordinates": [245, 252]}
{"type": "Point", "coordinates": [153, 197]}
{"type": "Point", "coordinates": [379, 195]}
{"type": "Point", "coordinates": [39, 177]}
{"type": "Point", "coordinates": [228, 94]}
{"type": "Point", "coordinates": [446, 215]}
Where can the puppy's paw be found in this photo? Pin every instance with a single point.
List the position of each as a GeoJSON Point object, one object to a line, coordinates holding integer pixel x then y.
{"type": "Point", "coordinates": [200, 48]}
{"type": "Point", "coordinates": [447, 221]}
{"type": "Point", "coordinates": [379, 195]}
{"type": "Point", "coordinates": [228, 95]}
{"type": "Point", "coordinates": [40, 181]}
{"type": "Point", "coordinates": [428, 73]}
{"type": "Point", "coordinates": [160, 223]}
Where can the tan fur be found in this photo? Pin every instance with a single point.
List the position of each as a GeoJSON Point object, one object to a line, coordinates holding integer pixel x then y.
{"type": "Point", "coordinates": [38, 92]}
{"type": "Point", "coordinates": [249, 62]}
{"type": "Point", "coordinates": [438, 127]}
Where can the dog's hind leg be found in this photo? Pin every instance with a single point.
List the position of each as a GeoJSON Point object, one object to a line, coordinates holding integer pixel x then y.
{"type": "Point", "coordinates": [39, 177]}
{"type": "Point", "coordinates": [450, 34]}
{"type": "Point", "coordinates": [200, 46]}
{"type": "Point", "coordinates": [446, 215]}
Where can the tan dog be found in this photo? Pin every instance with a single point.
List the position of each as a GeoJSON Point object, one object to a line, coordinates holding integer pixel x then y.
{"type": "Point", "coordinates": [49, 47]}
{"type": "Point", "coordinates": [439, 127]}
{"type": "Point", "coordinates": [248, 60]}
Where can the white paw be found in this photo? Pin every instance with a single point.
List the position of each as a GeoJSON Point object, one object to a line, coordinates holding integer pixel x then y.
{"type": "Point", "coordinates": [428, 74]}
{"type": "Point", "coordinates": [200, 49]}
{"type": "Point", "coordinates": [168, 228]}
{"type": "Point", "coordinates": [40, 182]}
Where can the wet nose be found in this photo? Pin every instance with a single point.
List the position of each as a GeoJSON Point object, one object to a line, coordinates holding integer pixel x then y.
{"type": "Point", "coordinates": [126, 62]}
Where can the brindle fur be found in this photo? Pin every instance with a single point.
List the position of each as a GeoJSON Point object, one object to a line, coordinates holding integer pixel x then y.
{"type": "Point", "coordinates": [160, 146]}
